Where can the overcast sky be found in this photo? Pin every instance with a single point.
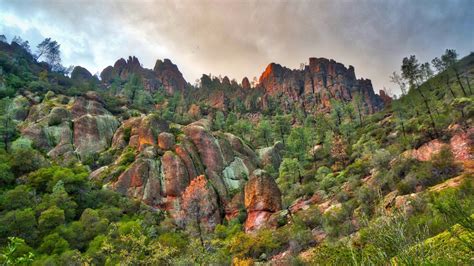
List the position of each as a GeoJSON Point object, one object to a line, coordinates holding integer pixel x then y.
{"type": "Point", "coordinates": [240, 38]}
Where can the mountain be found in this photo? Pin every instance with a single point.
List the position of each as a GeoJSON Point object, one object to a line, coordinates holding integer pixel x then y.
{"type": "Point", "coordinates": [310, 89]}
{"type": "Point", "coordinates": [306, 166]}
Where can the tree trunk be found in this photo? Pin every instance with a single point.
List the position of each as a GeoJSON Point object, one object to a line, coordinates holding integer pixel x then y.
{"type": "Point", "coordinates": [425, 101]}
{"type": "Point", "coordinates": [459, 81]}
{"type": "Point", "coordinates": [468, 84]}
{"type": "Point", "coordinates": [449, 86]}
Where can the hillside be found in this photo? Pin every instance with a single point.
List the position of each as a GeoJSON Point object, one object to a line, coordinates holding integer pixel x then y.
{"type": "Point", "coordinates": [305, 166]}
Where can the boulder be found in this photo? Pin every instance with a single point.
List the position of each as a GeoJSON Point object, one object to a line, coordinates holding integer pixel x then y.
{"type": "Point", "coordinates": [80, 73]}
{"type": "Point", "coordinates": [93, 134]}
{"type": "Point", "coordinates": [270, 156]}
{"type": "Point", "coordinates": [58, 115]}
{"type": "Point", "coordinates": [235, 174]}
{"type": "Point", "coordinates": [82, 106]}
{"type": "Point", "coordinates": [166, 141]}
{"type": "Point", "coordinates": [262, 199]}
{"type": "Point", "coordinates": [185, 156]}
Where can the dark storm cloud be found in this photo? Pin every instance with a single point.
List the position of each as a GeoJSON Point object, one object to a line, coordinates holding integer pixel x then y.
{"type": "Point", "coordinates": [239, 38]}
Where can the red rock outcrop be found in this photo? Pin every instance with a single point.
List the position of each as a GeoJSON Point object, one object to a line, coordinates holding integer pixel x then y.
{"type": "Point", "coordinates": [169, 76]}
{"type": "Point", "coordinates": [200, 205]}
{"type": "Point", "coordinates": [262, 199]}
{"type": "Point", "coordinates": [166, 141]}
{"type": "Point", "coordinates": [461, 144]}
{"type": "Point", "coordinates": [319, 82]}
{"type": "Point", "coordinates": [207, 147]}
{"type": "Point", "coordinates": [141, 180]}
{"type": "Point", "coordinates": [176, 177]}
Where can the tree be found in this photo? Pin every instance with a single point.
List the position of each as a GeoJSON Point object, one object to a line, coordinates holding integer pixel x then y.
{"type": "Point", "coordinates": [7, 124]}
{"type": "Point", "coordinates": [49, 51]}
{"type": "Point", "coordinates": [291, 167]}
{"type": "Point", "coordinates": [24, 44]}
{"type": "Point", "coordinates": [16, 253]}
{"type": "Point", "coordinates": [264, 132]}
{"type": "Point", "coordinates": [358, 105]}
{"type": "Point", "coordinates": [414, 74]}
{"type": "Point", "coordinates": [282, 126]}
{"type": "Point", "coordinates": [449, 59]}
{"type": "Point", "coordinates": [441, 69]}
{"type": "Point", "coordinates": [19, 223]}
{"type": "Point", "coordinates": [219, 121]}
{"type": "Point", "coordinates": [54, 244]}
{"type": "Point", "coordinates": [132, 87]}
{"type": "Point", "coordinates": [397, 79]}
{"type": "Point", "coordinates": [298, 142]}
{"type": "Point", "coordinates": [50, 219]}
{"type": "Point", "coordinates": [230, 121]}
{"type": "Point", "coordinates": [243, 129]}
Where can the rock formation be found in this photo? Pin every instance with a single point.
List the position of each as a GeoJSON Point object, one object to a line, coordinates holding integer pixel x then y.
{"type": "Point", "coordinates": [262, 199]}
{"type": "Point", "coordinates": [318, 83]}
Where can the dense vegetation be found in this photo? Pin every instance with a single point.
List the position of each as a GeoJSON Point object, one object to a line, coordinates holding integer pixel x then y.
{"type": "Point", "coordinates": [55, 215]}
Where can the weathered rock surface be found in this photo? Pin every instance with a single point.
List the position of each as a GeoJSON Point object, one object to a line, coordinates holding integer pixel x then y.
{"type": "Point", "coordinates": [262, 199]}
{"type": "Point", "coordinates": [176, 177]}
{"type": "Point", "coordinates": [165, 74]}
{"type": "Point", "coordinates": [80, 73]}
{"type": "Point", "coordinates": [169, 76]}
{"type": "Point", "coordinates": [141, 180]}
{"type": "Point", "coordinates": [270, 156]}
{"type": "Point", "coordinates": [200, 205]}
{"type": "Point", "coordinates": [166, 141]}
{"type": "Point", "coordinates": [93, 134]}
{"type": "Point", "coordinates": [461, 144]}
{"type": "Point", "coordinates": [318, 83]}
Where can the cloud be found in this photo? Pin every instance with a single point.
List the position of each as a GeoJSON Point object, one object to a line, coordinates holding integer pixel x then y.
{"type": "Point", "coordinates": [239, 38]}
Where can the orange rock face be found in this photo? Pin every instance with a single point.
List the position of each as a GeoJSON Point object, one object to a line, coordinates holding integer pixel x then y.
{"type": "Point", "coordinates": [207, 147]}
{"type": "Point", "coordinates": [315, 84]}
{"type": "Point", "coordinates": [200, 205]}
{"type": "Point", "coordinates": [176, 177]}
{"type": "Point", "coordinates": [141, 181]}
{"type": "Point", "coordinates": [262, 199]}
{"type": "Point", "coordinates": [165, 141]}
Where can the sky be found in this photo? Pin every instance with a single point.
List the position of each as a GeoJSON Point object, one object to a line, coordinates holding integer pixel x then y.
{"type": "Point", "coordinates": [240, 38]}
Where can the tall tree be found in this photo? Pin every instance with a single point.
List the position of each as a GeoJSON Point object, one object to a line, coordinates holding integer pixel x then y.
{"type": "Point", "coordinates": [264, 132]}
{"type": "Point", "coordinates": [291, 168]}
{"type": "Point", "coordinates": [282, 126]}
{"type": "Point", "coordinates": [412, 72]}
{"type": "Point", "coordinates": [441, 69]}
{"type": "Point", "coordinates": [450, 58]}
{"type": "Point", "coordinates": [48, 50]}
